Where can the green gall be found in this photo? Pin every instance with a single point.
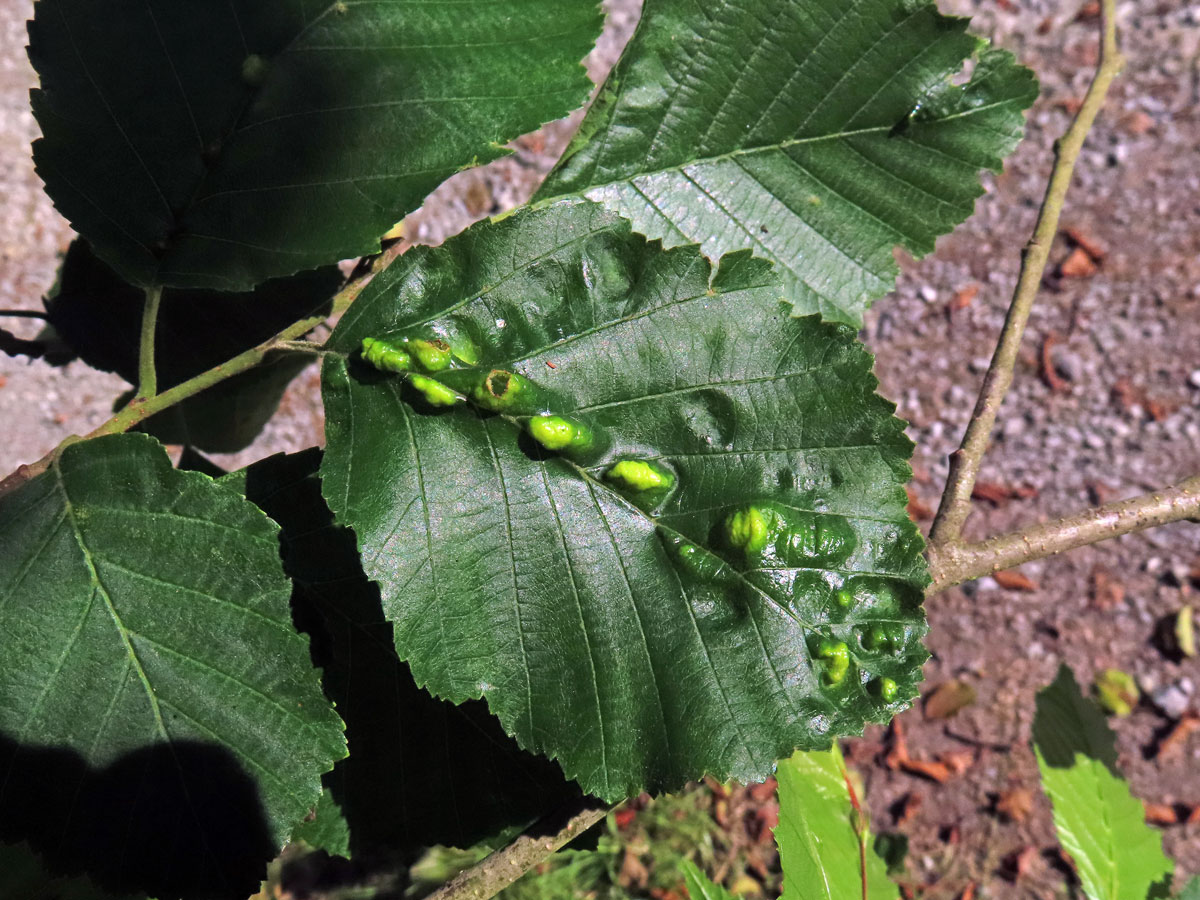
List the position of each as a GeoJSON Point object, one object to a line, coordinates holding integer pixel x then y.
{"type": "Point", "coordinates": [837, 659]}
{"type": "Point", "coordinates": [697, 563]}
{"type": "Point", "coordinates": [816, 539]}
{"type": "Point", "coordinates": [1116, 692]}
{"type": "Point", "coordinates": [500, 391]}
{"type": "Point", "coordinates": [434, 392]}
{"type": "Point", "coordinates": [559, 433]}
{"type": "Point", "coordinates": [750, 529]}
{"type": "Point", "coordinates": [254, 70]}
{"type": "Point", "coordinates": [432, 356]}
{"type": "Point", "coordinates": [463, 349]}
{"type": "Point", "coordinates": [888, 689]}
{"type": "Point", "coordinates": [845, 598]}
{"type": "Point", "coordinates": [639, 475]}
{"type": "Point", "coordinates": [887, 638]}
{"type": "Point", "coordinates": [385, 356]}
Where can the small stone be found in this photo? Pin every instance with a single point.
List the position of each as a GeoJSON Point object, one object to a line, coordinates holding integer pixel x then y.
{"type": "Point", "coordinates": [1171, 700]}
{"type": "Point", "coordinates": [928, 293]}
{"type": "Point", "coordinates": [1194, 379]}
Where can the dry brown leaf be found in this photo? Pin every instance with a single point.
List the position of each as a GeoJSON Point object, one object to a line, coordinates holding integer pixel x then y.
{"type": "Point", "coordinates": [1019, 863]}
{"type": "Point", "coordinates": [1078, 264]}
{"type": "Point", "coordinates": [948, 698]}
{"type": "Point", "coordinates": [1090, 10]}
{"type": "Point", "coordinates": [1194, 816]}
{"type": "Point", "coordinates": [1046, 364]}
{"type": "Point", "coordinates": [1160, 813]}
{"type": "Point", "coordinates": [634, 873]}
{"type": "Point", "coordinates": [1088, 244]}
{"type": "Point", "coordinates": [1106, 591]}
{"type": "Point", "coordinates": [918, 511]}
{"type": "Point", "coordinates": [1012, 580]}
{"type": "Point", "coordinates": [908, 808]}
{"type": "Point", "coordinates": [963, 296]}
{"type": "Point", "coordinates": [1015, 804]}
{"type": "Point", "coordinates": [968, 893]}
{"type": "Point", "coordinates": [765, 791]}
{"type": "Point", "coordinates": [1175, 738]}
{"type": "Point", "coordinates": [897, 753]}
{"type": "Point", "coordinates": [993, 492]}
{"type": "Point", "coordinates": [957, 761]}
{"type": "Point", "coordinates": [935, 771]}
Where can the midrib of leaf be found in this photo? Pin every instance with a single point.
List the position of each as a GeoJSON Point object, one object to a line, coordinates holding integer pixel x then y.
{"type": "Point", "coordinates": [98, 587]}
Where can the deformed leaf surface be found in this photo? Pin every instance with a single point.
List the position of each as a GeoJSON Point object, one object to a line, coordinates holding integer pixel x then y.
{"type": "Point", "coordinates": [623, 632]}
{"type": "Point", "coordinates": [820, 134]}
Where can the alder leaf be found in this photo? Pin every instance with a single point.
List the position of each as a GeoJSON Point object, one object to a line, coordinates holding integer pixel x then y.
{"type": "Point", "coordinates": [825, 846]}
{"type": "Point", "coordinates": [219, 144]}
{"type": "Point", "coordinates": [725, 573]}
{"type": "Point", "coordinates": [820, 134]}
{"type": "Point", "coordinates": [420, 771]}
{"type": "Point", "coordinates": [151, 677]}
{"type": "Point", "coordinates": [1100, 824]}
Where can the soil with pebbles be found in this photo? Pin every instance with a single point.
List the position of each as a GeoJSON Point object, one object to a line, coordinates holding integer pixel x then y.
{"type": "Point", "coordinates": [1106, 404]}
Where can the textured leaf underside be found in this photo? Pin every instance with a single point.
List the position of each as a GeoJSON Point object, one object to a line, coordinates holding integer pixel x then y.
{"type": "Point", "coordinates": [1100, 824]}
{"type": "Point", "coordinates": [218, 144]}
{"type": "Point", "coordinates": [144, 617]}
{"type": "Point", "coordinates": [619, 633]}
{"type": "Point", "coordinates": [820, 134]}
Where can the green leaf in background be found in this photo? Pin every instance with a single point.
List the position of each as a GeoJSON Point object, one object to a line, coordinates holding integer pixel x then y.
{"type": "Point", "coordinates": [820, 134]}
{"type": "Point", "coordinates": [151, 677]}
{"type": "Point", "coordinates": [1191, 890]}
{"type": "Point", "coordinates": [719, 570]}
{"type": "Point", "coordinates": [221, 144]}
{"type": "Point", "coordinates": [421, 771]}
{"type": "Point", "coordinates": [824, 843]}
{"type": "Point", "coordinates": [700, 886]}
{"type": "Point", "coordinates": [1100, 824]}
{"type": "Point", "coordinates": [99, 315]}
{"type": "Point", "coordinates": [24, 877]}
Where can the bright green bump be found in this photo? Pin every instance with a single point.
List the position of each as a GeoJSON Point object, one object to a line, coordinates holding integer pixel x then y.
{"type": "Point", "coordinates": [434, 392]}
{"type": "Point", "coordinates": [749, 529]}
{"type": "Point", "coordinates": [1116, 691]}
{"type": "Point", "coordinates": [844, 598]}
{"type": "Point", "coordinates": [638, 475]}
{"type": "Point", "coordinates": [558, 433]}
{"type": "Point", "coordinates": [464, 349]}
{"type": "Point", "coordinates": [812, 538]}
{"type": "Point", "coordinates": [837, 659]}
{"type": "Point", "coordinates": [888, 689]}
{"type": "Point", "coordinates": [385, 356]}
{"type": "Point", "coordinates": [877, 638]}
{"type": "Point", "coordinates": [432, 356]}
{"type": "Point", "coordinates": [500, 390]}
{"type": "Point", "coordinates": [254, 70]}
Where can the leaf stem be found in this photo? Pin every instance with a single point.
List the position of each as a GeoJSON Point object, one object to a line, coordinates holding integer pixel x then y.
{"type": "Point", "coordinates": [951, 564]}
{"type": "Point", "coordinates": [494, 873]}
{"type": "Point", "coordinates": [965, 462]}
{"type": "Point", "coordinates": [147, 379]}
{"type": "Point", "coordinates": [143, 407]}
{"type": "Point", "coordinates": [23, 314]}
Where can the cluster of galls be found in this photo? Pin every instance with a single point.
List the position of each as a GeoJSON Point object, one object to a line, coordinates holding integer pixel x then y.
{"type": "Point", "coordinates": [458, 380]}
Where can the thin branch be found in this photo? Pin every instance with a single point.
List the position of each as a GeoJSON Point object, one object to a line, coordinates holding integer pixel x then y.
{"type": "Point", "coordinates": [493, 874]}
{"type": "Point", "coordinates": [23, 314]}
{"type": "Point", "coordinates": [955, 563]}
{"type": "Point", "coordinates": [965, 462]}
{"type": "Point", "coordinates": [147, 379]}
{"type": "Point", "coordinates": [142, 408]}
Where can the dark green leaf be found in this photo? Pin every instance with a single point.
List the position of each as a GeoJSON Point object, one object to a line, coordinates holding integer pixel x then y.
{"type": "Point", "coordinates": [618, 631]}
{"type": "Point", "coordinates": [818, 133]}
{"type": "Point", "coordinates": [824, 842]}
{"type": "Point", "coordinates": [151, 676]}
{"type": "Point", "coordinates": [100, 317]}
{"type": "Point", "coordinates": [700, 886]}
{"type": "Point", "coordinates": [1191, 890]}
{"type": "Point", "coordinates": [219, 144]}
{"type": "Point", "coordinates": [421, 771]}
{"type": "Point", "coordinates": [1100, 824]}
{"type": "Point", "coordinates": [24, 877]}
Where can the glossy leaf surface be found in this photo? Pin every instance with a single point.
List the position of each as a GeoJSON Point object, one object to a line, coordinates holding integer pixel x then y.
{"type": "Point", "coordinates": [820, 134]}
{"type": "Point", "coordinates": [819, 830]}
{"type": "Point", "coordinates": [421, 771]}
{"type": "Point", "coordinates": [1100, 824]}
{"type": "Point", "coordinates": [622, 631]}
{"type": "Point", "coordinates": [151, 676]}
{"type": "Point", "coordinates": [219, 144]}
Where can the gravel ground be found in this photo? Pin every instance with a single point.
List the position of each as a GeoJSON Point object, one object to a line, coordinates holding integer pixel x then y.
{"type": "Point", "coordinates": [1106, 404]}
